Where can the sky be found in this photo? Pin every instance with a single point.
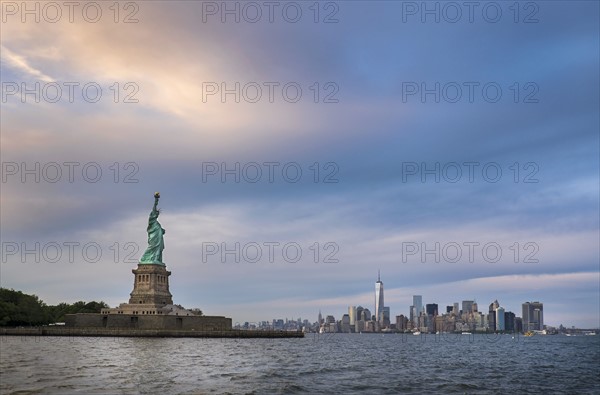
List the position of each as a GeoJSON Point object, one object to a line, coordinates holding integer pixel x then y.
{"type": "Point", "coordinates": [301, 147]}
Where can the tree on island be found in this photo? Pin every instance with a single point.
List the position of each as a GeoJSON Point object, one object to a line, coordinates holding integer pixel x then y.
{"type": "Point", "coordinates": [20, 309]}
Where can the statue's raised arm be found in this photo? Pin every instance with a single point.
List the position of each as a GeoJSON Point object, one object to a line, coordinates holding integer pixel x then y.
{"type": "Point", "coordinates": [156, 244]}
{"type": "Point", "coordinates": [156, 197]}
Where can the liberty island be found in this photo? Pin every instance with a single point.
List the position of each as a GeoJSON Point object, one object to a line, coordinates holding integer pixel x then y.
{"type": "Point", "coordinates": [150, 311]}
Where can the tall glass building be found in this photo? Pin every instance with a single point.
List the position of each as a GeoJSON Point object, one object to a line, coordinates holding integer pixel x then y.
{"type": "Point", "coordinates": [352, 314]}
{"type": "Point", "coordinates": [500, 325]}
{"type": "Point", "coordinates": [418, 306]}
{"type": "Point", "coordinates": [533, 316]}
{"type": "Point", "coordinates": [379, 299]}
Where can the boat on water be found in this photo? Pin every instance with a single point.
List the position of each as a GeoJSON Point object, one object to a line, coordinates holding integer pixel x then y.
{"type": "Point", "coordinates": [529, 333]}
{"type": "Point", "coordinates": [417, 333]}
{"type": "Point", "coordinates": [466, 333]}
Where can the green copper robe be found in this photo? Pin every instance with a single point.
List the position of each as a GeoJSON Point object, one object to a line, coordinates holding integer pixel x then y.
{"type": "Point", "coordinates": [156, 243]}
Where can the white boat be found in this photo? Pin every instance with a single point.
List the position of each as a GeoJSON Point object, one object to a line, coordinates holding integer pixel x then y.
{"type": "Point", "coordinates": [417, 333]}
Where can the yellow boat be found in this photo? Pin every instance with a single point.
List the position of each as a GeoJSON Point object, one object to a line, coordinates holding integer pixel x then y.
{"type": "Point", "coordinates": [529, 333]}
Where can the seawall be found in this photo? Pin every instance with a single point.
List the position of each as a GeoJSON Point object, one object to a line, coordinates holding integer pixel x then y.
{"type": "Point", "coordinates": [125, 332]}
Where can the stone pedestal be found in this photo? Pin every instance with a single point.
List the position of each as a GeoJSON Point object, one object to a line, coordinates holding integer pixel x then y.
{"type": "Point", "coordinates": [151, 285]}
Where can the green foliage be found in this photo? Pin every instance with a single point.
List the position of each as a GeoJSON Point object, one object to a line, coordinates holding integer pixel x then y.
{"type": "Point", "coordinates": [19, 309]}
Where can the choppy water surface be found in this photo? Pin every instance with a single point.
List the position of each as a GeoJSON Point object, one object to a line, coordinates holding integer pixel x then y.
{"type": "Point", "coordinates": [334, 363]}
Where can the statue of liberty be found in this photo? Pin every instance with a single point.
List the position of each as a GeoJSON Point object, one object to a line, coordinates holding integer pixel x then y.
{"type": "Point", "coordinates": [156, 243]}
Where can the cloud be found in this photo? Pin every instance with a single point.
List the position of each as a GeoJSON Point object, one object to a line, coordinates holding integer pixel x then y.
{"type": "Point", "coordinates": [21, 64]}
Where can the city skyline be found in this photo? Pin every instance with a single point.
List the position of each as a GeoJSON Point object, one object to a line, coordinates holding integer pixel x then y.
{"type": "Point", "coordinates": [528, 324]}
{"type": "Point", "coordinates": [498, 320]}
{"type": "Point", "coordinates": [531, 318]}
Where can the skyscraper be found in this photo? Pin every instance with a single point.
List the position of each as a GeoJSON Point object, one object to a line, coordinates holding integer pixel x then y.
{"type": "Point", "coordinates": [533, 316]}
{"type": "Point", "coordinates": [500, 319]}
{"type": "Point", "coordinates": [418, 308]}
{"type": "Point", "coordinates": [509, 321]}
{"type": "Point", "coordinates": [385, 317]}
{"type": "Point", "coordinates": [492, 315]}
{"type": "Point", "coordinates": [467, 306]}
{"type": "Point", "coordinates": [431, 309]}
{"type": "Point", "coordinates": [379, 299]}
{"type": "Point", "coordinates": [538, 317]}
{"type": "Point", "coordinates": [352, 314]}
{"type": "Point", "coordinates": [345, 324]}
{"type": "Point", "coordinates": [359, 314]}
{"type": "Point", "coordinates": [366, 315]}
{"type": "Point", "coordinates": [401, 323]}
